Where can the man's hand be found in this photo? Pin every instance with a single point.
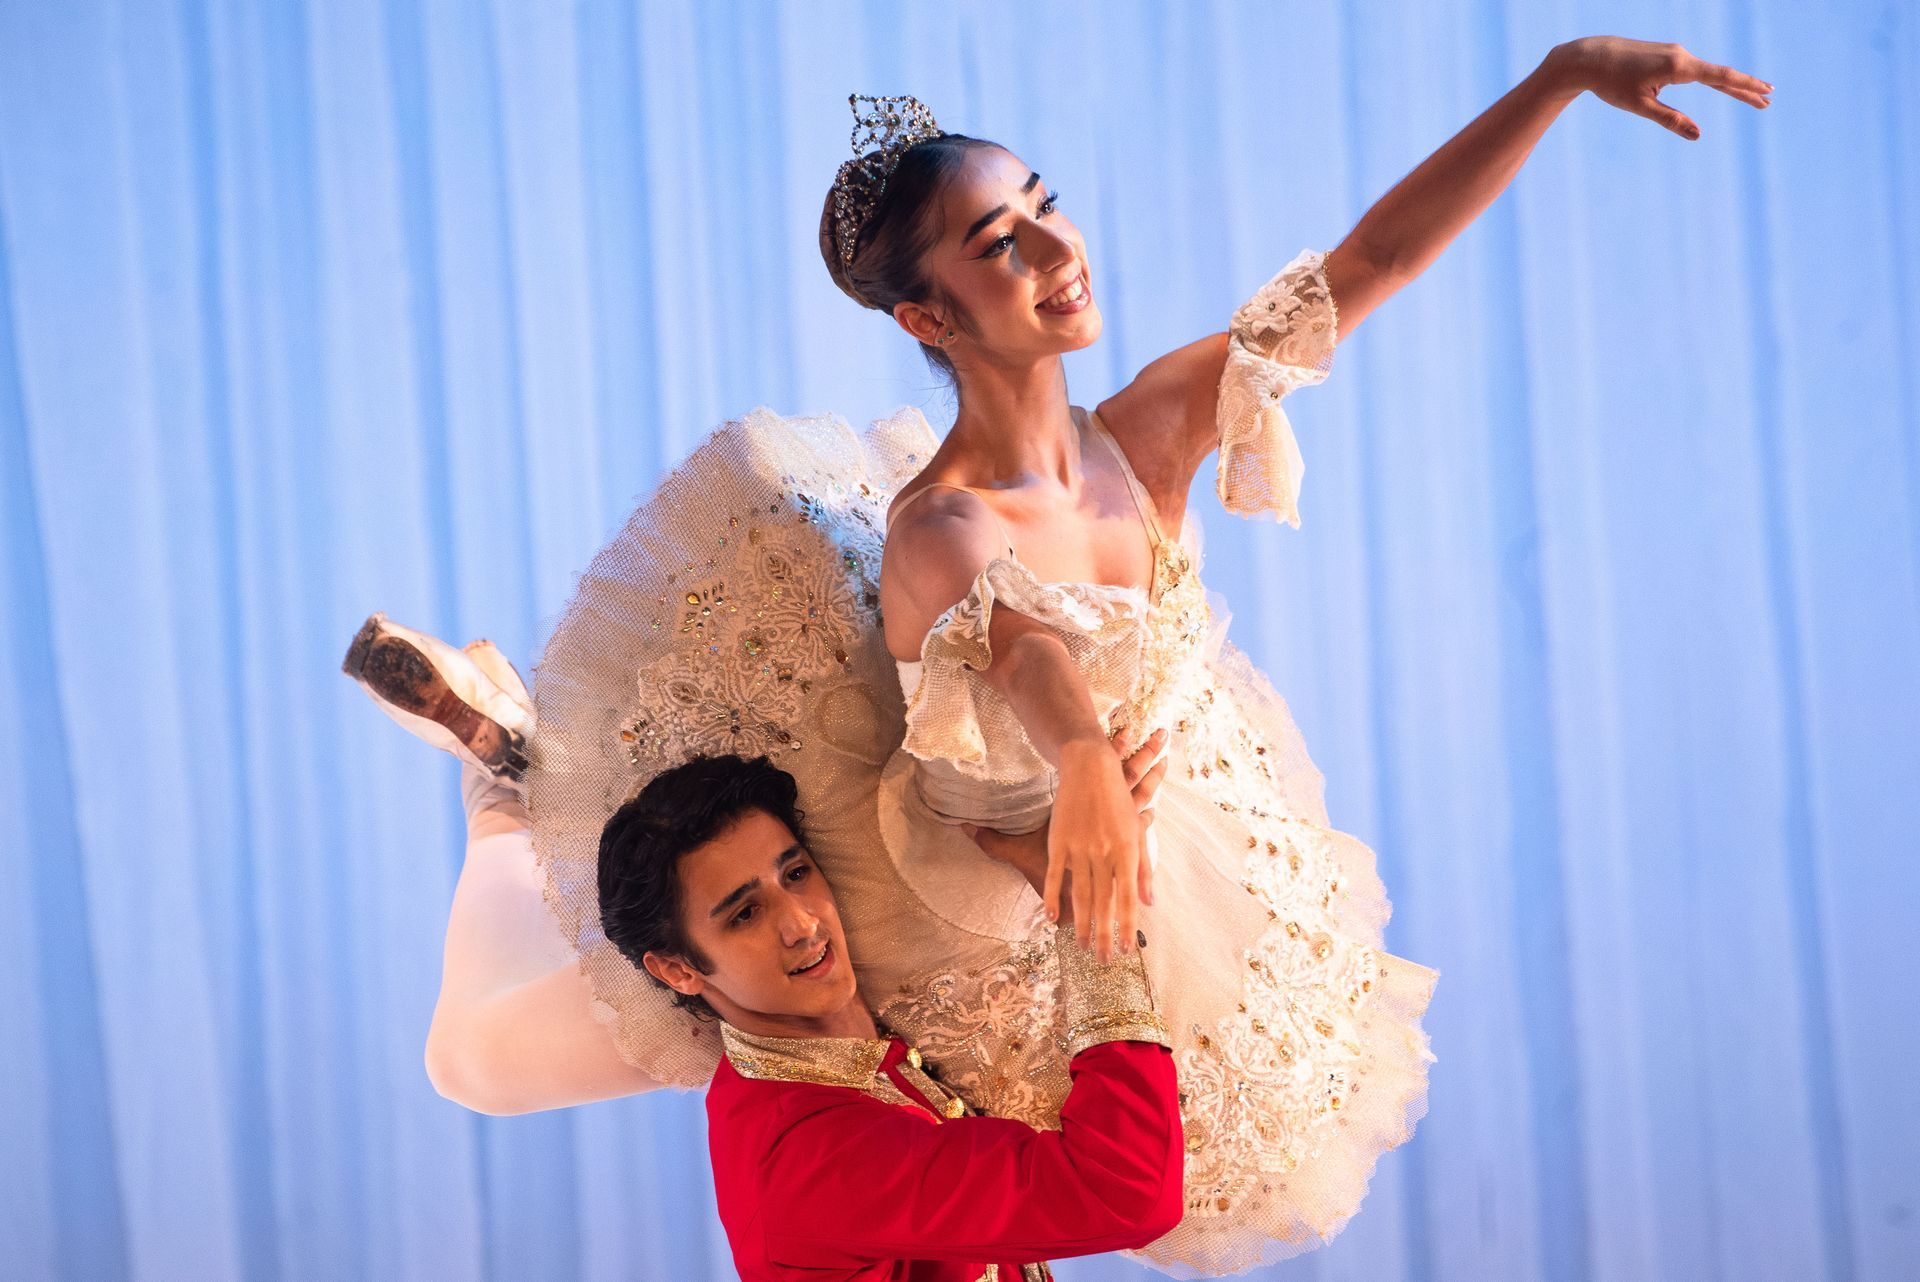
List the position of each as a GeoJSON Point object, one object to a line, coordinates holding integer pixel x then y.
{"type": "Point", "coordinates": [1026, 852]}
{"type": "Point", "coordinates": [1629, 74]}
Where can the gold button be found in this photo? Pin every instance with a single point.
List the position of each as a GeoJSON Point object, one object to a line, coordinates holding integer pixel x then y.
{"type": "Point", "coordinates": [913, 1057]}
{"type": "Point", "coordinates": [953, 1107]}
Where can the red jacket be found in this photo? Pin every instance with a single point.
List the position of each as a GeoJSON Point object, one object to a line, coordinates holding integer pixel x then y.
{"type": "Point", "coordinates": [853, 1172]}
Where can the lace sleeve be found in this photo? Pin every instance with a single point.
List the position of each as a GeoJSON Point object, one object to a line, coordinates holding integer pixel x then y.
{"type": "Point", "coordinates": [1281, 338]}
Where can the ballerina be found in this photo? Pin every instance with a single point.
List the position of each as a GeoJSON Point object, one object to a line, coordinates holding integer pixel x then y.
{"type": "Point", "coordinates": [1041, 593]}
{"type": "Point", "coordinates": [1039, 586]}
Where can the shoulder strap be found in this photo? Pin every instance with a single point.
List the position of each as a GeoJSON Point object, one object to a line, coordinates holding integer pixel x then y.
{"type": "Point", "coordinates": [1142, 501]}
{"type": "Point", "coordinates": [949, 485]}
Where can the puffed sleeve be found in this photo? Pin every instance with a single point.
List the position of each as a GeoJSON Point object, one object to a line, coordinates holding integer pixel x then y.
{"type": "Point", "coordinates": [1281, 338]}
{"type": "Point", "coordinates": [953, 715]}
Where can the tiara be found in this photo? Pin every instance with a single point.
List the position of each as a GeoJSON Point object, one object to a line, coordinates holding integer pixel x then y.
{"type": "Point", "coordinates": [880, 138]}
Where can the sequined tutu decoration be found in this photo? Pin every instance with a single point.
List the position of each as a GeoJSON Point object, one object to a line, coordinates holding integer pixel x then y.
{"type": "Point", "coordinates": [736, 610]}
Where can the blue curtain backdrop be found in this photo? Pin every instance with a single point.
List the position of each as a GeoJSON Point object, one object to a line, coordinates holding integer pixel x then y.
{"type": "Point", "coordinates": [1603, 622]}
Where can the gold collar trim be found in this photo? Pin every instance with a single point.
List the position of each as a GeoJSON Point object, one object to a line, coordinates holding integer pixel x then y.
{"type": "Point", "coordinates": [822, 1061]}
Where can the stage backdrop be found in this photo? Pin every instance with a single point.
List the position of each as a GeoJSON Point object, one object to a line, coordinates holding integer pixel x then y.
{"type": "Point", "coordinates": [1604, 619]}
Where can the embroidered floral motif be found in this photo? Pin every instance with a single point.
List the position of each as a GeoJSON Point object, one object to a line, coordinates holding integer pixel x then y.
{"type": "Point", "coordinates": [1176, 629]}
{"type": "Point", "coordinates": [775, 616]}
{"type": "Point", "coordinates": [1262, 1088]}
{"type": "Point", "coordinates": [992, 1032]}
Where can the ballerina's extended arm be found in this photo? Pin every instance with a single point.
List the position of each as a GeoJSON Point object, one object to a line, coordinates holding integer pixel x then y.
{"type": "Point", "coordinates": [1406, 229]}
{"type": "Point", "coordinates": [514, 1030]}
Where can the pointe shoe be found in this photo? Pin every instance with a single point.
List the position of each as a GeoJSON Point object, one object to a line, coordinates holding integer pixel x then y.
{"type": "Point", "coordinates": [442, 695]}
{"type": "Point", "coordinates": [487, 657]}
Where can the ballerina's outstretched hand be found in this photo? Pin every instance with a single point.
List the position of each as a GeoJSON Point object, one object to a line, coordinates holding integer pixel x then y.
{"type": "Point", "coordinates": [1629, 74]}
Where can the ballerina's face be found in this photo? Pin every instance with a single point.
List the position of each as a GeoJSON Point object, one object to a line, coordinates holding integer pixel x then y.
{"type": "Point", "coordinates": [1012, 262]}
{"type": "Point", "coordinates": [756, 908]}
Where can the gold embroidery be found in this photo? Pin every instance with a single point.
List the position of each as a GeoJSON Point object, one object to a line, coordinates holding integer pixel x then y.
{"type": "Point", "coordinates": [852, 1062]}
{"type": "Point", "coordinates": [1028, 1273]}
{"type": "Point", "coordinates": [823, 1061]}
{"type": "Point", "coordinates": [1104, 1001]}
{"type": "Point", "coordinates": [989, 1032]}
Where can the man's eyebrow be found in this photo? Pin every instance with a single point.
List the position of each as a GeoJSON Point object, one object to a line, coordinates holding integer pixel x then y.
{"type": "Point", "coordinates": [981, 222]}
{"type": "Point", "coordinates": [746, 888]}
{"type": "Point", "coordinates": [738, 893]}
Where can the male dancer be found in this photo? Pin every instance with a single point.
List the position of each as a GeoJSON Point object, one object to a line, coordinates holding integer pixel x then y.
{"type": "Point", "coordinates": [835, 1153]}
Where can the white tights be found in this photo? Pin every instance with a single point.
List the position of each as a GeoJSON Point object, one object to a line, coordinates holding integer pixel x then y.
{"type": "Point", "coordinates": [514, 1030]}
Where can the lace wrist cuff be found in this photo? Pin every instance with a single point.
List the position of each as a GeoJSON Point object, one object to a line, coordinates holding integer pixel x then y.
{"type": "Point", "coordinates": [1104, 1001]}
{"type": "Point", "coordinates": [1279, 340]}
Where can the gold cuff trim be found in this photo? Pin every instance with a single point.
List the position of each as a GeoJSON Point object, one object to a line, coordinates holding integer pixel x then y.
{"type": "Point", "coordinates": [1104, 1001]}
{"type": "Point", "coordinates": [1122, 1026]}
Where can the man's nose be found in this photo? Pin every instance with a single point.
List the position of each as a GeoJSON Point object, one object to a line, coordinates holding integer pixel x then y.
{"type": "Point", "coordinates": [799, 924]}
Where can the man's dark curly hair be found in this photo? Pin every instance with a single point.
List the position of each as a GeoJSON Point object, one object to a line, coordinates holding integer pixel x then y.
{"type": "Point", "coordinates": [641, 901]}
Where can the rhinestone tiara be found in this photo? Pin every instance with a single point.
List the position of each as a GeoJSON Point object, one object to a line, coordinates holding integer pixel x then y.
{"type": "Point", "coordinates": [880, 137]}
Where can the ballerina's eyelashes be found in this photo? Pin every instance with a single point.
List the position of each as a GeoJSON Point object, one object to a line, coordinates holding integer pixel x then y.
{"type": "Point", "coordinates": [1004, 241]}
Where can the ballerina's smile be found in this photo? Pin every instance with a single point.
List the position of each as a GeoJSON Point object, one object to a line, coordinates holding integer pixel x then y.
{"type": "Point", "coordinates": [1071, 299]}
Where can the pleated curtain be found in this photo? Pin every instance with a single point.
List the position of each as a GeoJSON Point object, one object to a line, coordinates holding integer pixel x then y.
{"type": "Point", "coordinates": [1603, 620]}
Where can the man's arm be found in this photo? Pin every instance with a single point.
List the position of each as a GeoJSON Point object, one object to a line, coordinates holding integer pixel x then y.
{"type": "Point", "coordinates": [861, 1181]}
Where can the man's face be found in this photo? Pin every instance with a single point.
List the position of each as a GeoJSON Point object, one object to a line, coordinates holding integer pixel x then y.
{"type": "Point", "coordinates": [757, 908]}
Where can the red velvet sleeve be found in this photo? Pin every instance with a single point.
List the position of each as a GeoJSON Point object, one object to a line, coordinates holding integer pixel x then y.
{"type": "Point", "coordinates": [859, 1180]}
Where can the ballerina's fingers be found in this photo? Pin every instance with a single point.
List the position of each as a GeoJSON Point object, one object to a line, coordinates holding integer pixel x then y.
{"type": "Point", "coordinates": [1144, 758]}
{"type": "Point", "coordinates": [1728, 80]}
{"type": "Point", "coordinates": [1145, 791]}
{"type": "Point", "coordinates": [1084, 893]}
{"type": "Point", "coordinates": [1055, 883]}
{"type": "Point", "coordinates": [1126, 898]}
{"type": "Point", "coordinates": [1145, 878]}
{"type": "Point", "coordinates": [1660, 113]}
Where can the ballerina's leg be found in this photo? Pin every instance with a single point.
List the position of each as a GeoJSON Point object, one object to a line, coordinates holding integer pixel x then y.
{"type": "Point", "coordinates": [514, 1029]}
